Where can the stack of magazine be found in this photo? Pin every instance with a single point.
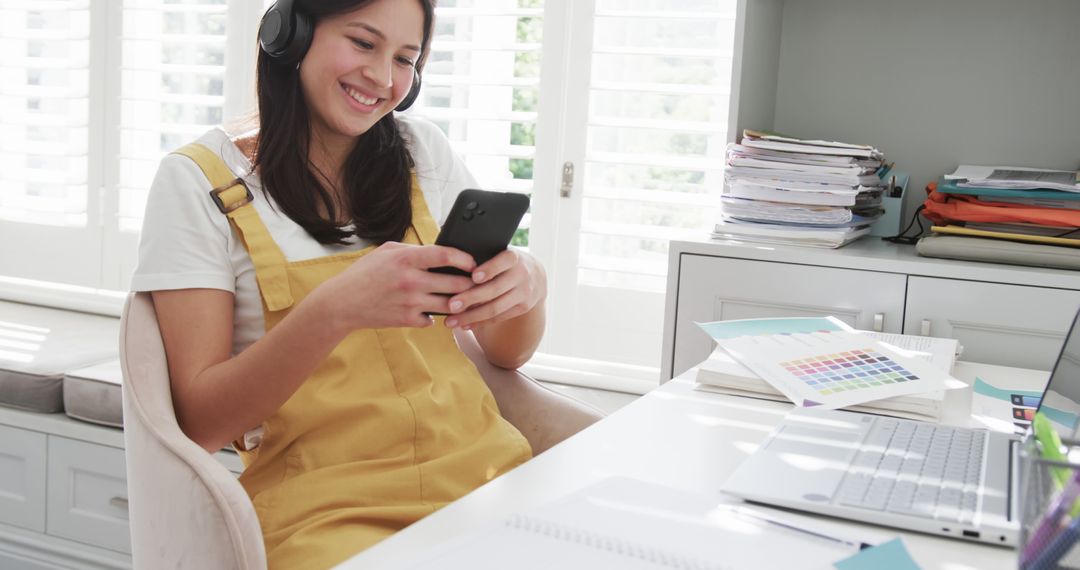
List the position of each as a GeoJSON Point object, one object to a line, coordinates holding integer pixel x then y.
{"type": "Point", "coordinates": [780, 189]}
{"type": "Point", "coordinates": [722, 373]}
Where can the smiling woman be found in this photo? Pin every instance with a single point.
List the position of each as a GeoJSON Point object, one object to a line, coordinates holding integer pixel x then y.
{"type": "Point", "coordinates": [293, 300]}
{"type": "Point", "coordinates": [359, 66]}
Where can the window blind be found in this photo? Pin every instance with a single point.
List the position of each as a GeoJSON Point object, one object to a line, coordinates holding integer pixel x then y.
{"type": "Point", "coordinates": [172, 88]}
{"type": "Point", "coordinates": [656, 132]}
{"type": "Point", "coordinates": [481, 86]}
{"type": "Point", "coordinates": [44, 110]}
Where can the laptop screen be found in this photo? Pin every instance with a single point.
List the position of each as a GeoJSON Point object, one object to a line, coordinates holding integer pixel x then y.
{"type": "Point", "coordinates": [1061, 402]}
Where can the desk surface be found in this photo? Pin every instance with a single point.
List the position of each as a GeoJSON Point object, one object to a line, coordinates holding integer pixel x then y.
{"type": "Point", "coordinates": [682, 438]}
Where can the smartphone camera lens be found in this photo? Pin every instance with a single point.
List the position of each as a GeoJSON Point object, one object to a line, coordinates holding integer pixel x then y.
{"type": "Point", "coordinates": [472, 205]}
{"type": "Point", "coordinates": [467, 216]}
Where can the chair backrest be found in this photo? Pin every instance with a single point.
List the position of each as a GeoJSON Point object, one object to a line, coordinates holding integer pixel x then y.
{"type": "Point", "coordinates": [187, 510]}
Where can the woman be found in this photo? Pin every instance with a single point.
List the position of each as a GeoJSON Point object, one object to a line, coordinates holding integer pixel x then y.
{"type": "Point", "coordinates": [294, 307]}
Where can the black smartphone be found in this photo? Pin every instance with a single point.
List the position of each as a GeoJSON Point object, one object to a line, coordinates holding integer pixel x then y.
{"type": "Point", "coordinates": [481, 223]}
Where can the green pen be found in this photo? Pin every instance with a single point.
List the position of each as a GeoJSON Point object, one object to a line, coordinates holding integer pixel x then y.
{"type": "Point", "coordinates": [1050, 447]}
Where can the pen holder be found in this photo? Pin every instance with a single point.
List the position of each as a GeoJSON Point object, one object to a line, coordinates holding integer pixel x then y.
{"type": "Point", "coordinates": [892, 202]}
{"type": "Point", "coordinates": [1049, 515]}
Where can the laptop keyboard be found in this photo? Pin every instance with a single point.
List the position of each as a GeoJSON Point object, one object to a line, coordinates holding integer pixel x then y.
{"type": "Point", "coordinates": [917, 469]}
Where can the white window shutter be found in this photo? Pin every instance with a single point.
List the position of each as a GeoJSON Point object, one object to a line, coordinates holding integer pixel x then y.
{"type": "Point", "coordinates": [653, 78]}
{"type": "Point", "coordinates": [48, 203]}
{"type": "Point", "coordinates": [481, 84]}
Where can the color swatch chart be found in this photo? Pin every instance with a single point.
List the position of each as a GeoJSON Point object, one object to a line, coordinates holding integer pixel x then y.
{"type": "Point", "coordinates": [819, 362]}
{"type": "Point", "coordinates": [849, 370]}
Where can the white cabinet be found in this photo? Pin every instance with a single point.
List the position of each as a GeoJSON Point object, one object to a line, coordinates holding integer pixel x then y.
{"type": "Point", "coordinates": [1011, 325]}
{"type": "Point", "coordinates": [63, 493]}
{"type": "Point", "coordinates": [22, 478]}
{"type": "Point", "coordinates": [1007, 315]}
{"type": "Point", "coordinates": [88, 494]}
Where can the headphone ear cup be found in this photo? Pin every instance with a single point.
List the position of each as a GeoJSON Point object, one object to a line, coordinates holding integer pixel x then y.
{"type": "Point", "coordinates": [413, 95]}
{"type": "Point", "coordinates": [303, 32]}
{"type": "Point", "coordinates": [274, 30]}
{"type": "Point", "coordinates": [285, 34]}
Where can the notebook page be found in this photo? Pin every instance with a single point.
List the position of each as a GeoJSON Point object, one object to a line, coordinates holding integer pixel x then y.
{"type": "Point", "coordinates": [626, 523]}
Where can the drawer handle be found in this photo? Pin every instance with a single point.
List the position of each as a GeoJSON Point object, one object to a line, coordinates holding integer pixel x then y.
{"type": "Point", "coordinates": [879, 322]}
{"type": "Point", "coordinates": [119, 502]}
{"type": "Point", "coordinates": [924, 327]}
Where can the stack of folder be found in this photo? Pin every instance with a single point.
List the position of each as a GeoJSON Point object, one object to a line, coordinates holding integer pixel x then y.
{"type": "Point", "coordinates": [779, 189]}
{"type": "Point", "coordinates": [1037, 210]}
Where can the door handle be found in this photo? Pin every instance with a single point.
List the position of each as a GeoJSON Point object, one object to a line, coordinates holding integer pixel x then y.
{"type": "Point", "coordinates": [879, 322]}
{"type": "Point", "coordinates": [924, 327]}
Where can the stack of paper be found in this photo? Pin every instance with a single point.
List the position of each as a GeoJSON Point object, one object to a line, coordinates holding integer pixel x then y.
{"type": "Point", "coordinates": [810, 362]}
{"type": "Point", "coordinates": [723, 374]}
{"type": "Point", "coordinates": [808, 235]}
{"type": "Point", "coordinates": [831, 190]}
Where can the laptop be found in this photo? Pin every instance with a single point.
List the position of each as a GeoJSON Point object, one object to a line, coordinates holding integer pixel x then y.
{"type": "Point", "coordinates": [952, 481]}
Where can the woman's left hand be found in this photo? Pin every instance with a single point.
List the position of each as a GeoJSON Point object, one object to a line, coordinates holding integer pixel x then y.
{"type": "Point", "coordinates": [507, 286]}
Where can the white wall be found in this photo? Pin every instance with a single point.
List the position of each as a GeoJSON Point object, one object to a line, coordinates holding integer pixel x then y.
{"type": "Point", "coordinates": [934, 83]}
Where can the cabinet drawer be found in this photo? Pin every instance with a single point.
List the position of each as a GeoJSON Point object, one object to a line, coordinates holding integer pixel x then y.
{"type": "Point", "coordinates": [22, 478]}
{"type": "Point", "coordinates": [721, 288]}
{"type": "Point", "coordinates": [88, 494]}
{"type": "Point", "coordinates": [1009, 325]}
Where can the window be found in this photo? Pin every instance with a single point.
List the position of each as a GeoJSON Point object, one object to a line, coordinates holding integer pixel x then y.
{"type": "Point", "coordinates": [47, 210]}
{"type": "Point", "coordinates": [610, 114]}
{"type": "Point", "coordinates": [93, 94]}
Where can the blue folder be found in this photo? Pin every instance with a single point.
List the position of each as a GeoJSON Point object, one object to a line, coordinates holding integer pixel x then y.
{"type": "Point", "coordinates": [950, 187]}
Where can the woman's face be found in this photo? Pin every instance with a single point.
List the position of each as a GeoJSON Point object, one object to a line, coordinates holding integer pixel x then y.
{"type": "Point", "coordinates": [360, 66]}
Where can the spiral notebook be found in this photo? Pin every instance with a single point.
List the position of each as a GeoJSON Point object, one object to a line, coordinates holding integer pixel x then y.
{"type": "Point", "coordinates": [631, 524]}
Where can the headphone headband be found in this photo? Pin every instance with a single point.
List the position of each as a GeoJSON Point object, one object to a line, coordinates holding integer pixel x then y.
{"type": "Point", "coordinates": [412, 95]}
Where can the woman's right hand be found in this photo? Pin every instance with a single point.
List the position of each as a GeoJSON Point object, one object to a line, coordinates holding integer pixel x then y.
{"type": "Point", "coordinates": [392, 287]}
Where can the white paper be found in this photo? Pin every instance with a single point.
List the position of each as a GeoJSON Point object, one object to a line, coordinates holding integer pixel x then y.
{"type": "Point", "coordinates": [833, 369]}
{"type": "Point", "coordinates": [940, 352]}
{"type": "Point", "coordinates": [994, 177]}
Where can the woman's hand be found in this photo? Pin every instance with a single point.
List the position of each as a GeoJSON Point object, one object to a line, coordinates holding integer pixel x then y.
{"type": "Point", "coordinates": [507, 286]}
{"type": "Point", "coordinates": [392, 287]}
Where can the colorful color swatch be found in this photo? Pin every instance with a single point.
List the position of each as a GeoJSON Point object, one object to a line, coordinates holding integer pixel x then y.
{"type": "Point", "coordinates": [851, 370]}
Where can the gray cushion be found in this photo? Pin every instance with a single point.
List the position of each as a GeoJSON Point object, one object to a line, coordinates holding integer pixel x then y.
{"type": "Point", "coordinates": [38, 345]}
{"type": "Point", "coordinates": [93, 394]}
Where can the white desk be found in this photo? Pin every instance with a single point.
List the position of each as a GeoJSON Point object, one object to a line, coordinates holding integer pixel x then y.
{"type": "Point", "coordinates": [682, 438]}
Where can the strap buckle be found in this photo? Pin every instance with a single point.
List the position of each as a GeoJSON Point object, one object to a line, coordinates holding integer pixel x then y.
{"type": "Point", "coordinates": [216, 193]}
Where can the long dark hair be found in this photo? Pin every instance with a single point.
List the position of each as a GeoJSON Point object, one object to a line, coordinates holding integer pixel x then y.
{"type": "Point", "coordinates": [377, 173]}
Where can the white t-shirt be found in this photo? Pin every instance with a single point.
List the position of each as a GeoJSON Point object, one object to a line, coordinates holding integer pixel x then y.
{"type": "Point", "coordinates": [187, 243]}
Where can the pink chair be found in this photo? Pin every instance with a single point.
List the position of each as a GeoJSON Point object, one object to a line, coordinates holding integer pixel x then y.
{"type": "Point", "coordinates": [188, 511]}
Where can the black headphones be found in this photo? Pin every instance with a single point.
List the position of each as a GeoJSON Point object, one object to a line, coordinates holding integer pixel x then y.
{"type": "Point", "coordinates": [285, 35]}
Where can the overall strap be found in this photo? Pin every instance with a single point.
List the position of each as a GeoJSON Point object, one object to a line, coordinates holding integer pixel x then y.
{"type": "Point", "coordinates": [423, 224]}
{"type": "Point", "coordinates": [233, 198]}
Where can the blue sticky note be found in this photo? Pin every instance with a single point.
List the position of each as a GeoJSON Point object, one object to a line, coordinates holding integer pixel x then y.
{"type": "Point", "coordinates": [987, 389]}
{"type": "Point", "coordinates": [892, 555]}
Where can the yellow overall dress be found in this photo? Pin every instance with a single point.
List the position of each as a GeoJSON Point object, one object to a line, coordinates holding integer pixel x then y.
{"type": "Point", "coordinates": [394, 424]}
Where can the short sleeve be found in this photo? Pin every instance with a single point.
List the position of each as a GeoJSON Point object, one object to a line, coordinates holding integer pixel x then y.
{"type": "Point", "coordinates": [185, 240]}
